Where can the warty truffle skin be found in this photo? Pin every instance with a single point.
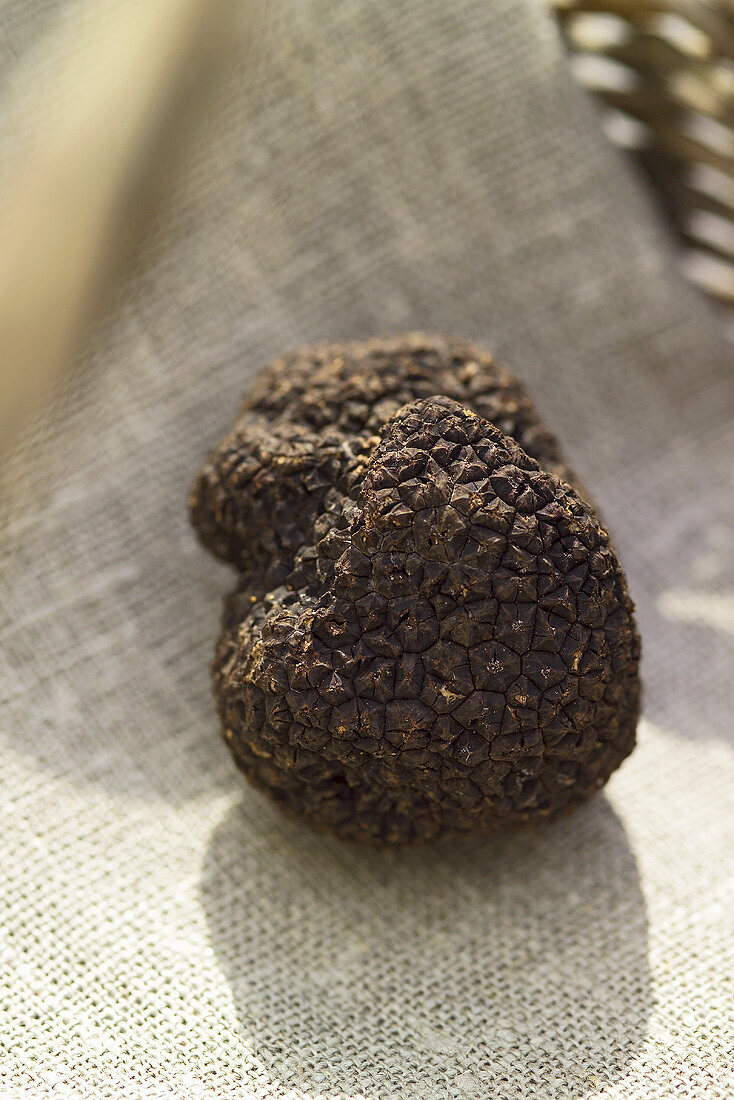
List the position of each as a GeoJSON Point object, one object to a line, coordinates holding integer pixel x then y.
{"type": "Point", "coordinates": [431, 634]}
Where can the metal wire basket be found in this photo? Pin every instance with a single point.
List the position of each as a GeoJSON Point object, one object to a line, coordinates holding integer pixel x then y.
{"type": "Point", "coordinates": [664, 71]}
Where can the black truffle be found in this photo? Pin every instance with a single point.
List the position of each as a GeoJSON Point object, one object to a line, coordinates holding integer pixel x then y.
{"type": "Point", "coordinates": [431, 634]}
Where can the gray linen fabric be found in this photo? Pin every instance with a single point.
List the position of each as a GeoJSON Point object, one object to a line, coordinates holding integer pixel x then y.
{"type": "Point", "coordinates": [165, 932]}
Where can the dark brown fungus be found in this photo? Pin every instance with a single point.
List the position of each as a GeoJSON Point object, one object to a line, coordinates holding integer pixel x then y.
{"type": "Point", "coordinates": [431, 634]}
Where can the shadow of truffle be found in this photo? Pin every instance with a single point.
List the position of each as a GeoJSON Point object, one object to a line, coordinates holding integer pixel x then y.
{"type": "Point", "coordinates": [510, 966]}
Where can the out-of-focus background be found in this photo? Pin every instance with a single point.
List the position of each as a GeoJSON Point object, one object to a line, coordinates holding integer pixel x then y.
{"type": "Point", "coordinates": [98, 120]}
{"type": "Point", "coordinates": [663, 70]}
{"type": "Point", "coordinates": [189, 189]}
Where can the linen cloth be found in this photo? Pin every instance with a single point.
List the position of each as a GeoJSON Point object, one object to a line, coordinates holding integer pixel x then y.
{"type": "Point", "coordinates": [165, 931]}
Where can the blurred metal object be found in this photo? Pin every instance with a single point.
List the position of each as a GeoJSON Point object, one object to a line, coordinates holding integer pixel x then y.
{"type": "Point", "coordinates": [664, 70]}
{"type": "Point", "coordinates": [98, 110]}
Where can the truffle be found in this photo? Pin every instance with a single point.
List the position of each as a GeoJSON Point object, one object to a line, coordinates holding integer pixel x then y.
{"type": "Point", "coordinates": [431, 634]}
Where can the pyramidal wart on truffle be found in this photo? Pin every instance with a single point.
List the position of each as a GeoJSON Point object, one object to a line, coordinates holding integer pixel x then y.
{"type": "Point", "coordinates": [431, 634]}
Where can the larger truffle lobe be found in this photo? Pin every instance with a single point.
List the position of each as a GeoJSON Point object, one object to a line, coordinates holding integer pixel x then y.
{"type": "Point", "coordinates": [431, 634]}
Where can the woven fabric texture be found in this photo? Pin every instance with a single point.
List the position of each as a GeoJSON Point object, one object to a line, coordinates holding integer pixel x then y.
{"type": "Point", "coordinates": [165, 932]}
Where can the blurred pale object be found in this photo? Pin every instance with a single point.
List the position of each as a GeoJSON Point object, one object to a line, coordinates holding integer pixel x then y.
{"type": "Point", "coordinates": [664, 71]}
{"type": "Point", "coordinates": [92, 121]}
